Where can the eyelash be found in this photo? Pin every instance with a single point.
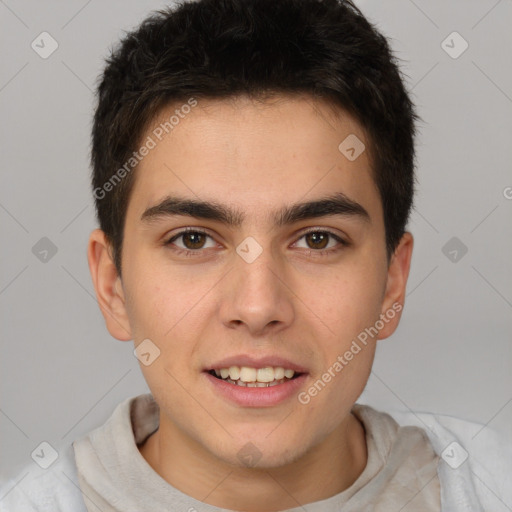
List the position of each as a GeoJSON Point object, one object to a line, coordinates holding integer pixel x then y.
{"type": "Point", "coordinates": [197, 252]}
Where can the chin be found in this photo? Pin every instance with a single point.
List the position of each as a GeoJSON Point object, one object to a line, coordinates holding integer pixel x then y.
{"type": "Point", "coordinates": [260, 453]}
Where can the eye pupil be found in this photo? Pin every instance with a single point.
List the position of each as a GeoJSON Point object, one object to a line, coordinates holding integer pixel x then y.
{"type": "Point", "coordinates": [317, 237]}
{"type": "Point", "coordinates": [198, 237]}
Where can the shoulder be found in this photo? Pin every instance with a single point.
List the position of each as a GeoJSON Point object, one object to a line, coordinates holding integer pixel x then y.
{"type": "Point", "coordinates": [480, 442]}
{"type": "Point", "coordinates": [35, 489]}
{"type": "Point", "coordinates": [470, 453]}
{"type": "Point", "coordinates": [387, 433]}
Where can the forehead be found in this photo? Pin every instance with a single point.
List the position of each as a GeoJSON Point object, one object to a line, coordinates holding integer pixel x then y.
{"type": "Point", "coordinates": [254, 154]}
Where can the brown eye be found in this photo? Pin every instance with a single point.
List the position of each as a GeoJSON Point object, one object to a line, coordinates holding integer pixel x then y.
{"type": "Point", "coordinates": [193, 240]}
{"type": "Point", "coordinates": [317, 239]}
{"type": "Point", "coordinates": [190, 240]}
{"type": "Point", "coordinates": [321, 241]}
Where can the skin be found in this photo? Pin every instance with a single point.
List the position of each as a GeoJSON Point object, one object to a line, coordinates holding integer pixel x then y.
{"type": "Point", "coordinates": [291, 301]}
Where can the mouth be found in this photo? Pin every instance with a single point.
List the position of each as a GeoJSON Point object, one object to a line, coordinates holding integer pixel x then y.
{"type": "Point", "coordinates": [250, 377]}
{"type": "Point", "coordinates": [247, 381]}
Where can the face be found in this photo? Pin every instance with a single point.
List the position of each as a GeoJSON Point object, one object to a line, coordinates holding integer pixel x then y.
{"type": "Point", "coordinates": [283, 268]}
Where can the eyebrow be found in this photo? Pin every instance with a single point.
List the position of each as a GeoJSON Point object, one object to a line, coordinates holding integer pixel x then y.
{"type": "Point", "coordinates": [334, 205]}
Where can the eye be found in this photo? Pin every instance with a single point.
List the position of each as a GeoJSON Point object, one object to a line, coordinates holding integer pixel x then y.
{"type": "Point", "coordinates": [322, 241]}
{"type": "Point", "coordinates": [192, 240]}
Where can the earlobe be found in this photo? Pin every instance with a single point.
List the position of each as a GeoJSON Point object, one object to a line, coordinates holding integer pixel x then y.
{"type": "Point", "coordinates": [394, 297]}
{"type": "Point", "coordinates": [108, 286]}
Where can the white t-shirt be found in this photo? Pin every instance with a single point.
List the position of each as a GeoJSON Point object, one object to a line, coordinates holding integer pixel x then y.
{"type": "Point", "coordinates": [105, 471]}
{"type": "Point", "coordinates": [401, 468]}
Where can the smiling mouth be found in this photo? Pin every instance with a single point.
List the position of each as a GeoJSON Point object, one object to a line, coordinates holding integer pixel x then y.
{"type": "Point", "coordinates": [245, 376]}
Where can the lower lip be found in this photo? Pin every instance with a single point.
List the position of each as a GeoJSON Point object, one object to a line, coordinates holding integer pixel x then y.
{"type": "Point", "coordinates": [257, 397]}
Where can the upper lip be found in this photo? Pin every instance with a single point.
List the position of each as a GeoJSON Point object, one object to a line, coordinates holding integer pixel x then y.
{"type": "Point", "coordinates": [256, 362]}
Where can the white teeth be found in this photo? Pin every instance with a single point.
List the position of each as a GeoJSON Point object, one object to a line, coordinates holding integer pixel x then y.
{"type": "Point", "coordinates": [248, 374]}
{"type": "Point", "coordinates": [255, 384]}
{"type": "Point", "coordinates": [265, 375]}
{"type": "Point", "coordinates": [278, 373]}
{"type": "Point", "coordinates": [254, 377]}
{"type": "Point", "coordinates": [234, 373]}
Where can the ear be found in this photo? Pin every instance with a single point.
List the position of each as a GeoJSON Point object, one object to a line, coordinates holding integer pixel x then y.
{"type": "Point", "coordinates": [108, 286]}
{"type": "Point", "coordinates": [394, 296]}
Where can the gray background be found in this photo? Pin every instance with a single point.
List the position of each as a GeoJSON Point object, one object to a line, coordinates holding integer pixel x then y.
{"type": "Point", "coordinates": [61, 372]}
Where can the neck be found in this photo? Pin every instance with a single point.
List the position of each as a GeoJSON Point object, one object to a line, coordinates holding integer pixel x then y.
{"type": "Point", "coordinates": [327, 469]}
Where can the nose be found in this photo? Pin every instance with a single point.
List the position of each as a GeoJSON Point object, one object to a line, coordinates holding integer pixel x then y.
{"type": "Point", "coordinates": [256, 296]}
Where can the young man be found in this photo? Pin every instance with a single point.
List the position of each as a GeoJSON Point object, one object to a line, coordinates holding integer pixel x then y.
{"type": "Point", "coordinates": [253, 177]}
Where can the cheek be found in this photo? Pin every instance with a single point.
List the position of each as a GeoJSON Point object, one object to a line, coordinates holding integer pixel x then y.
{"type": "Point", "coordinates": [159, 296]}
{"type": "Point", "coordinates": [350, 302]}
{"type": "Point", "coordinates": [167, 308]}
{"type": "Point", "coordinates": [162, 314]}
{"type": "Point", "coordinates": [330, 396]}
{"type": "Point", "coordinates": [354, 304]}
